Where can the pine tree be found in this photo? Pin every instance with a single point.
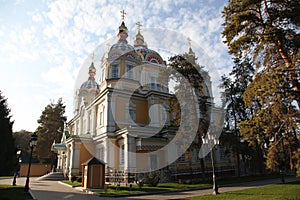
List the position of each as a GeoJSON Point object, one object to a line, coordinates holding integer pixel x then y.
{"type": "Point", "coordinates": [7, 146]}
{"type": "Point", "coordinates": [268, 32]}
{"type": "Point", "coordinates": [51, 124]}
{"type": "Point", "coordinates": [22, 139]}
{"type": "Point", "coordinates": [234, 87]}
{"type": "Point", "coordinates": [190, 91]}
{"type": "Point", "coordinates": [274, 124]}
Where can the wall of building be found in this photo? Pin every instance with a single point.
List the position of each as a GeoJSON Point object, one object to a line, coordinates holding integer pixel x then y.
{"type": "Point", "coordinates": [85, 154]}
{"type": "Point", "coordinates": [35, 169]}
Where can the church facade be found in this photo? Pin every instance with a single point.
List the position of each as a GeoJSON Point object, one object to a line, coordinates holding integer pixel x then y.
{"type": "Point", "coordinates": [125, 119]}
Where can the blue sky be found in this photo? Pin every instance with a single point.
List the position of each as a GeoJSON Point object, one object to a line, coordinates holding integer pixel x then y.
{"type": "Point", "coordinates": [43, 44]}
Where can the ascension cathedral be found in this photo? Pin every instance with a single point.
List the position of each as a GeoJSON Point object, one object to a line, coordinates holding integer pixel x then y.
{"type": "Point", "coordinates": [124, 118]}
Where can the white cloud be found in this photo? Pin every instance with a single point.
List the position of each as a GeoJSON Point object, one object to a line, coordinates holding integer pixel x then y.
{"type": "Point", "coordinates": [61, 75]}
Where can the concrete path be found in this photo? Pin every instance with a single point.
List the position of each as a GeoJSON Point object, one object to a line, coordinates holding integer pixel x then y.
{"type": "Point", "coordinates": [49, 190]}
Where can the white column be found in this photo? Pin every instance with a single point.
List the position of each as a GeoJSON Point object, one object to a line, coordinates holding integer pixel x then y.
{"type": "Point", "coordinates": [88, 122]}
{"type": "Point", "coordinates": [110, 152]}
{"type": "Point", "coordinates": [154, 112]}
{"type": "Point", "coordinates": [74, 162]}
{"type": "Point", "coordinates": [110, 109]}
{"type": "Point", "coordinates": [67, 169]}
{"type": "Point", "coordinates": [71, 160]}
{"type": "Point", "coordinates": [130, 156]}
{"type": "Point", "coordinates": [93, 122]}
{"type": "Point", "coordinates": [80, 131]}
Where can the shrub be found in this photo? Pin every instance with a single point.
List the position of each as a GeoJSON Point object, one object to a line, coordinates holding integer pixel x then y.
{"type": "Point", "coordinates": [152, 179]}
{"type": "Point", "coordinates": [140, 183]}
{"type": "Point", "coordinates": [73, 178]}
{"type": "Point", "coordinates": [79, 179]}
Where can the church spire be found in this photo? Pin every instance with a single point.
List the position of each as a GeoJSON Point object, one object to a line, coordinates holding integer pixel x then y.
{"type": "Point", "coordinates": [190, 45]}
{"type": "Point", "coordinates": [191, 54]}
{"type": "Point", "coordinates": [138, 25]}
{"type": "Point", "coordinates": [123, 31]}
{"type": "Point", "coordinates": [139, 38]}
{"type": "Point", "coordinates": [92, 69]}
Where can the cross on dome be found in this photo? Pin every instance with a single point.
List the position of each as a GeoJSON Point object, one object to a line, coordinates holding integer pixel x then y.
{"type": "Point", "coordinates": [189, 41]}
{"type": "Point", "coordinates": [123, 31]}
{"type": "Point", "coordinates": [123, 13]}
{"type": "Point", "coordinates": [92, 69]}
{"type": "Point", "coordinates": [138, 24]}
{"type": "Point", "coordinates": [93, 55]}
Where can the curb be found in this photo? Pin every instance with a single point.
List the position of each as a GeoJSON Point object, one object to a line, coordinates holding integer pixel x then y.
{"type": "Point", "coordinates": [70, 186]}
{"type": "Point", "coordinates": [31, 194]}
{"type": "Point", "coordinates": [65, 184]}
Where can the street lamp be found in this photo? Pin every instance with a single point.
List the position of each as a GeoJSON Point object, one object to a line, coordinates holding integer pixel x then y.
{"type": "Point", "coordinates": [18, 153]}
{"type": "Point", "coordinates": [211, 140]}
{"type": "Point", "coordinates": [32, 143]}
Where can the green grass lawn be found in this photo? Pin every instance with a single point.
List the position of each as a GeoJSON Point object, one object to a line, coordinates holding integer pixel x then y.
{"type": "Point", "coordinates": [244, 179]}
{"type": "Point", "coordinates": [6, 177]}
{"type": "Point", "coordinates": [114, 190]}
{"type": "Point", "coordinates": [74, 183]}
{"type": "Point", "coordinates": [9, 192]}
{"type": "Point", "coordinates": [288, 191]}
{"type": "Point", "coordinates": [117, 190]}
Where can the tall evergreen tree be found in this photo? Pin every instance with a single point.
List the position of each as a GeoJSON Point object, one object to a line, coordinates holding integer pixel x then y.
{"type": "Point", "coordinates": [7, 147]}
{"type": "Point", "coordinates": [234, 87]}
{"type": "Point", "coordinates": [191, 88]}
{"type": "Point", "coordinates": [267, 32]}
{"type": "Point", "coordinates": [50, 129]}
{"type": "Point", "coordinates": [274, 124]}
{"type": "Point", "coordinates": [22, 139]}
{"type": "Point", "coordinates": [183, 70]}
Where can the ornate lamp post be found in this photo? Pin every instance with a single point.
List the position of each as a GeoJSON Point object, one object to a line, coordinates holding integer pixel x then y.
{"type": "Point", "coordinates": [32, 143]}
{"type": "Point", "coordinates": [18, 160]}
{"type": "Point", "coordinates": [212, 141]}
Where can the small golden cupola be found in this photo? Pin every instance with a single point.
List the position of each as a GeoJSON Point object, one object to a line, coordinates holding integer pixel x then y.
{"type": "Point", "coordinates": [90, 88]}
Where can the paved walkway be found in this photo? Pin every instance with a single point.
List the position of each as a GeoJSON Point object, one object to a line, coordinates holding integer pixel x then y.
{"type": "Point", "coordinates": [49, 190]}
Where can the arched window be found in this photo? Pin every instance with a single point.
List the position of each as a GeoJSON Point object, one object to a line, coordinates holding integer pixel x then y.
{"type": "Point", "coordinates": [101, 109]}
{"type": "Point", "coordinates": [130, 113]}
{"type": "Point", "coordinates": [130, 71]}
{"type": "Point", "coordinates": [154, 61]}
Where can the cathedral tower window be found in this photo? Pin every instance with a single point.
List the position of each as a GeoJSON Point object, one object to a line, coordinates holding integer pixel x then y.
{"type": "Point", "coordinates": [114, 71]}
{"type": "Point", "coordinates": [101, 115]}
{"type": "Point", "coordinates": [153, 83]}
{"type": "Point", "coordinates": [130, 71]}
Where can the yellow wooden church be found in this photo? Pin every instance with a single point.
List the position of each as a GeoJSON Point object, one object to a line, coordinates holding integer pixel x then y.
{"type": "Point", "coordinates": [124, 119]}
